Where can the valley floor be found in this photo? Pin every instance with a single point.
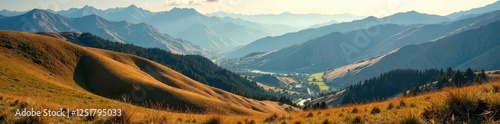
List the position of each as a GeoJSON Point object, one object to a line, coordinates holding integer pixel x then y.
{"type": "Point", "coordinates": [472, 104]}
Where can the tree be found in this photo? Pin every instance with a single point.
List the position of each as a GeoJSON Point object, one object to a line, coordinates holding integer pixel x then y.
{"type": "Point", "coordinates": [323, 105]}
{"type": "Point", "coordinates": [481, 77]}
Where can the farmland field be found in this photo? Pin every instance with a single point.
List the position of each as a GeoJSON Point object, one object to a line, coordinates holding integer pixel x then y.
{"type": "Point", "coordinates": [317, 79]}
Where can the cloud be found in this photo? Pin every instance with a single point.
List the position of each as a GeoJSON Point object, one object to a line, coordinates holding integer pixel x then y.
{"type": "Point", "coordinates": [186, 2]}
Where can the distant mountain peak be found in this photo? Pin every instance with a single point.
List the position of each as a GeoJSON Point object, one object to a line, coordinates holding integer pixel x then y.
{"type": "Point", "coordinates": [184, 11]}
{"type": "Point", "coordinates": [38, 12]}
{"type": "Point", "coordinates": [370, 18]}
{"type": "Point", "coordinates": [412, 12]}
{"type": "Point", "coordinates": [87, 6]}
{"type": "Point", "coordinates": [132, 7]}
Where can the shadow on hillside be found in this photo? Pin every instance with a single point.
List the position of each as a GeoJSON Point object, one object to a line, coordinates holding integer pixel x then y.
{"type": "Point", "coordinates": [92, 75]}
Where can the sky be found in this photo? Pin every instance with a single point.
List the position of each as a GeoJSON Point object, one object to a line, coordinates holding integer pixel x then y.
{"type": "Point", "coordinates": [251, 7]}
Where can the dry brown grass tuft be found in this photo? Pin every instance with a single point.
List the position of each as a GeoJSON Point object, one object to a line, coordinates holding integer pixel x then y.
{"type": "Point", "coordinates": [496, 88]}
{"type": "Point", "coordinates": [272, 118]}
{"type": "Point", "coordinates": [357, 120]}
{"type": "Point", "coordinates": [310, 115]}
{"type": "Point", "coordinates": [355, 110]}
{"type": "Point", "coordinates": [402, 104]}
{"type": "Point", "coordinates": [375, 110]}
{"type": "Point", "coordinates": [125, 118]}
{"type": "Point", "coordinates": [390, 106]}
{"type": "Point", "coordinates": [217, 119]}
{"type": "Point", "coordinates": [326, 121]}
{"type": "Point", "coordinates": [3, 117]}
{"type": "Point", "coordinates": [32, 120]}
{"type": "Point", "coordinates": [410, 118]}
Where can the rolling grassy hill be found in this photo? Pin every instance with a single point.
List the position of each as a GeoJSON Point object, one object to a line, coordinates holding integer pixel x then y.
{"type": "Point", "coordinates": [189, 65]}
{"type": "Point", "coordinates": [55, 71]}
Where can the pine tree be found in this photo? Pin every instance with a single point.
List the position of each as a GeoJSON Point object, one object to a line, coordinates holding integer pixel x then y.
{"type": "Point", "coordinates": [323, 105]}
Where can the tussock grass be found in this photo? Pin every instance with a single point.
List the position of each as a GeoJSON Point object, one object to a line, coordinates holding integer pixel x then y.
{"type": "Point", "coordinates": [126, 117]}
{"type": "Point", "coordinates": [425, 111]}
{"type": "Point", "coordinates": [217, 119]}
{"type": "Point", "coordinates": [357, 120]}
{"type": "Point", "coordinates": [273, 118]}
{"type": "Point", "coordinates": [390, 106]}
{"type": "Point", "coordinates": [326, 121]}
{"type": "Point", "coordinates": [355, 110]}
{"type": "Point", "coordinates": [375, 110]}
{"type": "Point", "coordinates": [412, 119]}
{"type": "Point", "coordinates": [402, 104]}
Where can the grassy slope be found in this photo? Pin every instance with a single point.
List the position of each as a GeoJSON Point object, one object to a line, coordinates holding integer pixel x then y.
{"type": "Point", "coordinates": [50, 84]}
{"type": "Point", "coordinates": [437, 107]}
{"type": "Point", "coordinates": [55, 71]}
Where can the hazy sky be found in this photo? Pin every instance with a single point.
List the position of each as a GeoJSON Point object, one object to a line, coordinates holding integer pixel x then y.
{"type": "Point", "coordinates": [356, 7]}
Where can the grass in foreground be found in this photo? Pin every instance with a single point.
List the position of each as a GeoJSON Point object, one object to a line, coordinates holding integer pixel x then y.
{"type": "Point", "coordinates": [472, 104]}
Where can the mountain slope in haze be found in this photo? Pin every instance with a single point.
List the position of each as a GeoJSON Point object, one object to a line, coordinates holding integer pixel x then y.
{"type": "Point", "coordinates": [188, 65]}
{"type": "Point", "coordinates": [413, 17]}
{"type": "Point", "coordinates": [289, 39]}
{"type": "Point", "coordinates": [36, 20]}
{"type": "Point", "coordinates": [323, 24]}
{"type": "Point", "coordinates": [337, 51]}
{"type": "Point", "coordinates": [36, 61]}
{"type": "Point", "coordinates": [290, 19]}
{"type": "Point", "coordinates": [273, 29]}
{"type": "Point", "coordinates": [131, 14]}
{"type": "Point", "coordinates": [212, 33]}
{"type": "Point", "coordinates": [84, 11]}
{"type": "Point", "coordinates": [322, 53]}
{"type": "Point", "coordinates": [472, 48]}
{"type": "Point", "coordinates": [208, 32]}
{"type": "Point", "coordinates": [139, 34]}
{"type": "Point", "coordinates": [476, 11]}
{"type": "Point", "coordinates": [11, 13]}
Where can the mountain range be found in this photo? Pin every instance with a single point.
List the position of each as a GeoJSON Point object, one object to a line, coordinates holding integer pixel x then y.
{"type": "Point", "coordinates": [212, 33]}
{"type": "Point", "coordinates": [208, 32]}
{"type": "Point", "coordinates": [11, 13]}
{"type": "Point", "coordinates": [290, 19]}
{"type": "Point", "coordinates": [475, 48]}
{"type": "Point", "coordinates": [475, 11]}
{"type": "Point", "coordinates": [339, 49]}
{"type": "Point", "coordinates": [140, 34]}
{"type": "Point", "coordinates": [132, 13]}
{"type": "Point", "coordinates": [289, 39]}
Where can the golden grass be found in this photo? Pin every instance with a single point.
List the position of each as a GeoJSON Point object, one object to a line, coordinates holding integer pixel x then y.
{"type": "Point", "coordinates": [401, 111]}
{"type": "Point", "coordinates": [28, 80]}
{"type": "Point", "coordinates": [275, 89]}
{"type": "Point", "coordinates": [286, 80]}
{"type": "Point", "coordinates": [55, 71]}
